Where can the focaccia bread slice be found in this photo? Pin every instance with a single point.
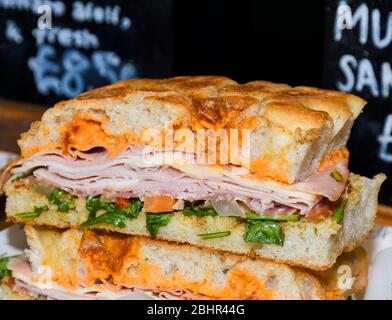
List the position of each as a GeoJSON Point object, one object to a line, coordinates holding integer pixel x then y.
{"type": "Point", "coordinates": [291, 129]}
{"type": "Point", "coordinates": [97, 263]}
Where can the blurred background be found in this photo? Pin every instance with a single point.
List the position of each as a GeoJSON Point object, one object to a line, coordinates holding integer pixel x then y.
{"type": "Point", "coordinates": [52, 53]}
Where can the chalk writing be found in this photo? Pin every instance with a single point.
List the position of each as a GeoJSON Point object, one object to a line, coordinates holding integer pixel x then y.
{"type": "Point", "coordinates": [364, 29]}
{"type": "Point", "coordinates": [58, 7]}
{"type": "Point", "coordinates": [90, 12]}
{"type": "Point", "coordinates": [66, 37]}
{"type": "Point", "coordinates": [64, 75]}
{"type": "Point", "coordinates": [385, 140]}
{"type": "Point", "coordinates": [56, 49]}
{"type": "Point", "coordinates": [13, 32]}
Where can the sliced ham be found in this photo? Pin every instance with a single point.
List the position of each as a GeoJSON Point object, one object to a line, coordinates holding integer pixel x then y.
{"type": "Point", "coordinates": [142, 172]}
{"type": "Point", "coordinates": [324, 184]}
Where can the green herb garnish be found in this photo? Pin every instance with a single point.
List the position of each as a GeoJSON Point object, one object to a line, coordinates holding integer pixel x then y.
{"type": "Point", "coordinates": [114, 218]}
{"type": "Point", "coordinates": [199, 210]}
{"type": "Point", "coordinates": [4, 271]}
{"type": "Point", "coordinates": [94, 204]}
{"type": "Point", "coordinates": [63, 200]}
{"type": "Point", "coordinates": [338, 215]}
{"type": "Point", "coordinates": [255, 216]}
{"type": "Point", "coordinates": [15, 179]}
{"type": "Point", "coordinates": [337, 176]}
{"type": "Point", "coordinates": [33, 214]}
{"type": "Point", "coordinates": [111, 215]}
{"type": "Point", "coordinates": [156, 220]}
{"type": "Point", "coordinates": [207, 236]}
{"type": "Point", "coordinates": [268, 232]}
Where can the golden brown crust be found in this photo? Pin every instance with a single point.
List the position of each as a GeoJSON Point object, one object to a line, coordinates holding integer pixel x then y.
{"type": "Point", "coordinates": [222, 96]}
{"type": "Point", "coordinates": [209, 89]}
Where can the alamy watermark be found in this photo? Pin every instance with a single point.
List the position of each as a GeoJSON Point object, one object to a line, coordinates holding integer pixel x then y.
{"type": "Point", "coordinates": [204, 146]}
{"type": "Point", "coordinates": [344, 17]}
{"type": "Point", "coordinates": [345, 278]}
{"type": "Point", "coordinates": [45, 19]}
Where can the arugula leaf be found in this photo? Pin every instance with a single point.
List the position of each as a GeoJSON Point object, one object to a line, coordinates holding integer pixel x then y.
{"type": "Point", "coordinates": [268, 232]}
{"type": "Point", "coordinates": [63, 200]}
{"type": "Point", "coordinates": [93, 205]}
{"type": "Point", "coordinates": [133, 208]}
{"type": "Point", "coordinates": [34, 214]}
{"type": "Point", "coordinates": [114, 218]}
{"type": "Point", "coordinates": [156, 220]}
{"type": "Point", "coordinates": [338, 215]}
{"type": "Point", "coordinates": [198, 210]}
{"type": "Point", "coordinates": [113, 215]}
{"type": "Point", "coordinates": [207, 236]}
{"type": "Point", "coordinates": [255, 216]}
{"type": "Point", "coordinates": [4, 271]}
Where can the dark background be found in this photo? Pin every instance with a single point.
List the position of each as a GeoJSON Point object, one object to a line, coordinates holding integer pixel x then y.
{"type": "Point", "coordinates": [280, 40]}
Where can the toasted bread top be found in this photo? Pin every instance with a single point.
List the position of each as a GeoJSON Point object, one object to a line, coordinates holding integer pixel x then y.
{"type": "Point", "coordinates": [294, 126]}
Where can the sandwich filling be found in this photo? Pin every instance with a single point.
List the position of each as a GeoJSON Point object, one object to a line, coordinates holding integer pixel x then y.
{"type": "Point", "coordinates": [143, 178]}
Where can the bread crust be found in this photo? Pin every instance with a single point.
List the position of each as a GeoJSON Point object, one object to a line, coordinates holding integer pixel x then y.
{"type": "Point", "coordinates": [289, 121]}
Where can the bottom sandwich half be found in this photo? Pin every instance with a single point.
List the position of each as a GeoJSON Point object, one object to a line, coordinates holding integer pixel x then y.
{"type": "Point", "coordinates": [77, 264]}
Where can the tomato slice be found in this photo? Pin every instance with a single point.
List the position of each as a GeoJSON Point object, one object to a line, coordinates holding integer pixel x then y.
{"type": "Point", "coordinates": [158, 203]}
{"type": "Point", "coordinates": [122, 203]}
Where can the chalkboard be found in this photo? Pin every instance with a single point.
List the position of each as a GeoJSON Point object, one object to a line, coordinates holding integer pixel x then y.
{"type": "Point", "coordinates": [358, 58]}
{"type": "Point", "coordinates": [53, 50]}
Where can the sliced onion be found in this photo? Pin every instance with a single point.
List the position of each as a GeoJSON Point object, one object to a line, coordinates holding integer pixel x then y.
{"type": "Point", "coordinates": [228, 208]}
{"type": "Point", "coordinates": [179, 205]}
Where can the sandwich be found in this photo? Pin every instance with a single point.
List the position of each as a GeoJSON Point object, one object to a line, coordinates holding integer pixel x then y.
{"type": "Point", "coordinates": [92, 264]}
{"type": "Point", "coordinates": [190, 188]}
{"type": "Point", "coordinates": [134, 158]}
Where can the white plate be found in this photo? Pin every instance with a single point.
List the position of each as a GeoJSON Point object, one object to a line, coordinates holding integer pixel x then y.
{"type": "Point", "coordinates": [378, 247]}
{"type": "Point", "coordinates": [379, 250]}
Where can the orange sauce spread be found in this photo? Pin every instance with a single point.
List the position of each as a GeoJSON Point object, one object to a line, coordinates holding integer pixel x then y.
{"type": "Point", "coordinates": [244, 285]}
{"type": "Point", "coordinates": [334, 295]}
{"type": "Point", "coordinates": [85, 132]}
{"type": "Point", "coordinates": [333, 157]}
{"type": "Point", "coordinates": [118, 260]}
{"type": "Point", "coordinates": [261, 168]}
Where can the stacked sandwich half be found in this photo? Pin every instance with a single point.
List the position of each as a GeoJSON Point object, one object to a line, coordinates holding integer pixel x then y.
{"type": "Point", "coordinates": [191, 188]}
